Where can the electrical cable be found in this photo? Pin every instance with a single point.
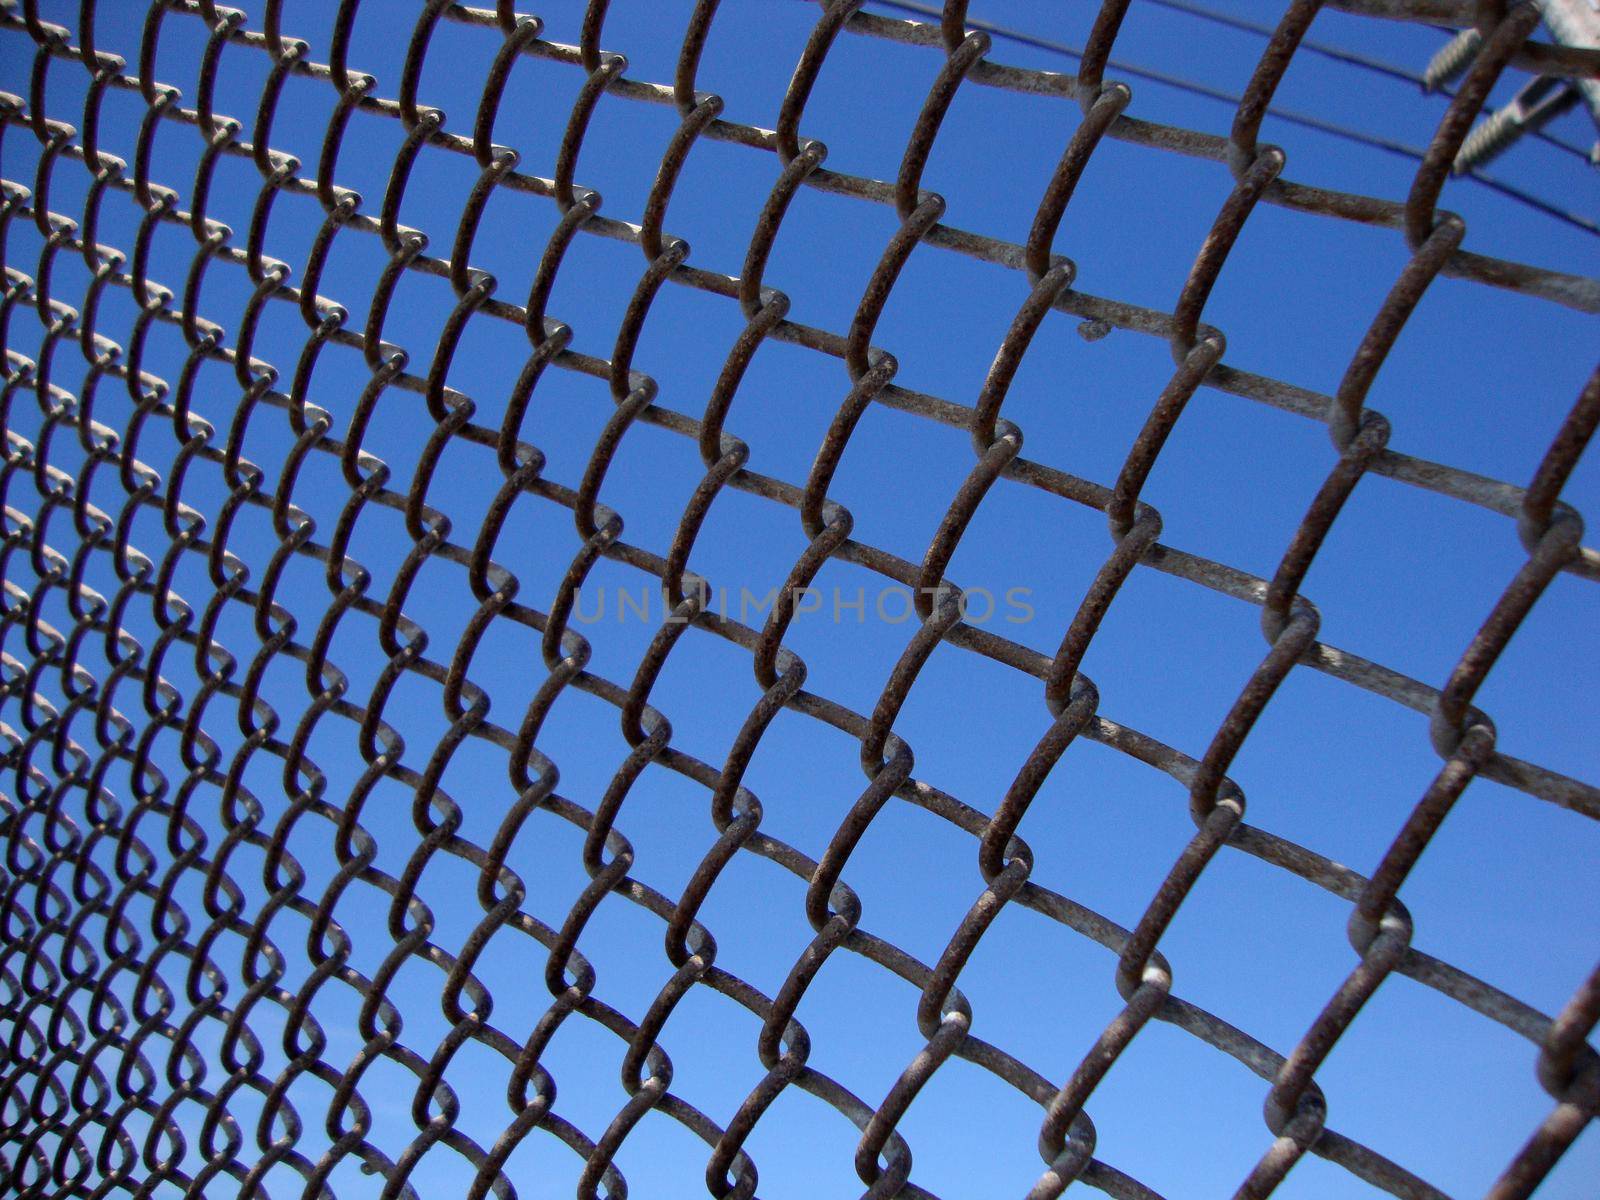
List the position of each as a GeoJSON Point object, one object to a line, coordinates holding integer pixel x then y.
{"type": "Point", "coordinates": [1289, 116]}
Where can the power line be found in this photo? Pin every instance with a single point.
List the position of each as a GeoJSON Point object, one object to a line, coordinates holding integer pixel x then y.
{"type": "Point", "coordinates": [1289, 116]}
{"type": "Point", "coordinates": [1325, 49]}
{"type": "Point", "coordinates": [1347, 57]}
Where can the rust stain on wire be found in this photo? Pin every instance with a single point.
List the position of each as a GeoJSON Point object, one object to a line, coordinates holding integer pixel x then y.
{"type": "Point", "coordinates": [117, 1001]}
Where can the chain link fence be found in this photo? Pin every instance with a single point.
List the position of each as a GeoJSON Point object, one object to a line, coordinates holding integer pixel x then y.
{"type": "Point", "coordinates": [170, 959]}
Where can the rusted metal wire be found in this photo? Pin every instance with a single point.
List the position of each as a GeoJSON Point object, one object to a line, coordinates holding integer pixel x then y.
{"type": "Point", "coordinates": [119, 1003]}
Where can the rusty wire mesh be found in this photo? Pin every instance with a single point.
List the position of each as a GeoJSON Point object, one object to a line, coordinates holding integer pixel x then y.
{"type": "Point", "coordinates": [136, 1028]}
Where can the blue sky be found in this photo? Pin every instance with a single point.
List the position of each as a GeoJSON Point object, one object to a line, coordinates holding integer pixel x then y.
{"type": "Point", "coordinates": [1480, 380]}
